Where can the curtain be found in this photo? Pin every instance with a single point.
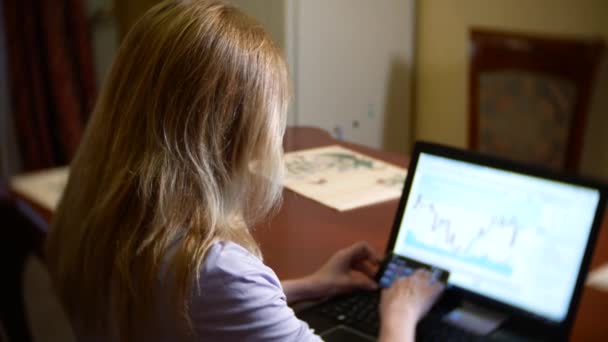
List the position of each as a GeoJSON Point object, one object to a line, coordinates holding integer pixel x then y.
{"type": "Point", "coordinates": [52, 78]}
{"type": "Point", "coordinates": [9, 157]}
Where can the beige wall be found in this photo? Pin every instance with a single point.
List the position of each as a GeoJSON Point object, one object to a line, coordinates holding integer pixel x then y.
{"type": "Point", "coordinates": [350, 79]}
{"type": "Point", "coordinates": [270, 13]}
{"type": "Point", "coordinates": [441, 56]}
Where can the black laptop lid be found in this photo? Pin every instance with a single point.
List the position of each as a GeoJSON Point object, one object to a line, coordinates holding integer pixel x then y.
{"type": "Point", "coordinates": [510, 235]}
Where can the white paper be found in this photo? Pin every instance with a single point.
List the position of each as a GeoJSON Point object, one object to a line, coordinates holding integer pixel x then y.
{"type": "Point", "coordinates": [44, 187]}
{"type": "Point", "coordinates": [599, 278]}
{"type": "Point", "coordinates": [341, 178]}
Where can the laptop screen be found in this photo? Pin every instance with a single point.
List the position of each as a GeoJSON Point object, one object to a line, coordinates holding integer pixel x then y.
{"type": "Point", "coordinates": [515, 238]}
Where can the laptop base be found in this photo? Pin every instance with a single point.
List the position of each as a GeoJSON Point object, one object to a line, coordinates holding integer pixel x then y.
{"type": "Point", "coordinates": [333, 326]}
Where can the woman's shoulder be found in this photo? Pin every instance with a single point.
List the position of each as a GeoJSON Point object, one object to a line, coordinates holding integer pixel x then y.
{"type": "Point", "coordinates": [227, 251]}
{"type": "Point", "coordinates": [241, 299]}
{"type": "Point", "coordinates": [231, 264]}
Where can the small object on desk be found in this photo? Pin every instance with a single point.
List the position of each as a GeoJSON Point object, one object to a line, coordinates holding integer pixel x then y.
{"type": "Point", "coordinates": [43, 188]}
{"type": "Point", "coordinates": [599, 278]}
{"type": "Point", "coordinates": [341, 178]}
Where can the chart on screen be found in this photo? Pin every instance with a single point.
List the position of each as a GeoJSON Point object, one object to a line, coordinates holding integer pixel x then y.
{"type": "Point", "coordinates": [484, 240]}
{"type": "Point", "coordinates": [497, 231]}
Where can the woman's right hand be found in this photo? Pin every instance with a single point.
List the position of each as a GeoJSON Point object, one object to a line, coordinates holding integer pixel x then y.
{"type": "Point", "coordinates": [405, 303]}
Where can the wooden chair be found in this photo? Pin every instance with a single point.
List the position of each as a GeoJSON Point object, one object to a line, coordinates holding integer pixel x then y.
{"type": "Point", "coordinates": [529, 96]}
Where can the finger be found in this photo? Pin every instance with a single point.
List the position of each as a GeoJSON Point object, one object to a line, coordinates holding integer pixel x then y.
{"type": "Point", "coordinates": [385, 293]}
{"type": "Point", "coordinates": [437, 292]}
{"type": "Point", "coordinates": [422, 274]}
{"type": "Point", "coordinates": [358, 283]}
{"type": "Point", "coordinates": [401, 282]}
{"type": "Point", "coordinates": [366, 268]}
{"type": "Point", "coordinates": [373, 254]}
{"type": "Point", "coordinates": [362, 250]}
{"type": "Point", "coordinates": [365, 284]}
{"type": "Point", "coordinates": [438, 287]}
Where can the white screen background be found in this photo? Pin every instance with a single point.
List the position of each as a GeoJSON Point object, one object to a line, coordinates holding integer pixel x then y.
{"type": "Point", "coordinates": [515, 238]}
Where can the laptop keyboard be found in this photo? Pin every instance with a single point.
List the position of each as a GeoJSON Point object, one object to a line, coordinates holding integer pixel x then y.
{"type": "Point", "coordinates": [360, 311]}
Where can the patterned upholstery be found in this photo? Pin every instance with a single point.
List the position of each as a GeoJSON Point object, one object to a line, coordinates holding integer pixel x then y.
{"type": "Point", "coordinates": [525, 116]}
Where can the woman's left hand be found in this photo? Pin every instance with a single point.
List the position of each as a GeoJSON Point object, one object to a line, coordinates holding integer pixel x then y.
{"type": "Point", "coordinates": [348, 269]}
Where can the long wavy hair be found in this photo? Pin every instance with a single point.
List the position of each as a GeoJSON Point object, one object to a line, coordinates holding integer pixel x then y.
{"type": "Point", "coordinates": [183, 149]}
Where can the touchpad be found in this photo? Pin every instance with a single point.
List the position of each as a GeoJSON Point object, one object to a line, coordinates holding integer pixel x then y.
{"type": "Point", "coordinates": [345, 334]}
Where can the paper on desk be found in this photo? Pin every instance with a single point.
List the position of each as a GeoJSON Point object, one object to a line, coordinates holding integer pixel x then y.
{"type": "Point", "coordinates": [44, 187]}
{"type": "Point", "coordinates": [341, 178]}
{"type": "Point", "coordinates": [599, 278]}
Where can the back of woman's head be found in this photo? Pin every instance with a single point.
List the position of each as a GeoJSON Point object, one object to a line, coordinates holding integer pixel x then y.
{"type": "Point", "coordinates": [183, 149]}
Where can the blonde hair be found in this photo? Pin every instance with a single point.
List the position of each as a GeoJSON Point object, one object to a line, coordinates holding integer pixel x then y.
{"type": "Point", "coordinates": [197, 95]}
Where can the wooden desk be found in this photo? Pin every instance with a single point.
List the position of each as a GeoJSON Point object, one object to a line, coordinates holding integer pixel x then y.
{"type": "Point", "coordinates": [303, 234]}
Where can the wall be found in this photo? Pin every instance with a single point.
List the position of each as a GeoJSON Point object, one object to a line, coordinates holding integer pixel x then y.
{"type": "Point", "coordinates": [350, 63]}
{"type": "Point", "coordinates": [441, 76]}
{"type": "Point", "coordinates": [274, 15]}
{"type": "Point", "coordinates": [104, 34]}
{"type": "Point", "coordinates": [353, 69]}
{"type": "Point", "coordinates": [270, 13]}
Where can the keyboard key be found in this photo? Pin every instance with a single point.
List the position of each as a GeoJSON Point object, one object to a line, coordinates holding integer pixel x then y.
{"type": "Point", "coordinates": [360, 311]}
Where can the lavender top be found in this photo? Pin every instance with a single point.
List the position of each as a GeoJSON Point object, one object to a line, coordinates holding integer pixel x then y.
{"type": "Point", "coordinates": [241, 299]}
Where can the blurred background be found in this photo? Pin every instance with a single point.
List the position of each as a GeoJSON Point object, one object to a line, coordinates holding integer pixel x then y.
{"type": "Point", "coordinates": [531, 84]}
{"type": "Point", "coordinates": [381, 73]}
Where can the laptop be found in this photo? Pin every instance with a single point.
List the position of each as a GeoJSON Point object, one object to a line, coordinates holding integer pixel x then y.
{"type": "Point", "coordinates": [511, 242]}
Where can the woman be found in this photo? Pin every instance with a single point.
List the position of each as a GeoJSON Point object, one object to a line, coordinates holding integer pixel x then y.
{"type": "Point", "coordinates": [181, 156]}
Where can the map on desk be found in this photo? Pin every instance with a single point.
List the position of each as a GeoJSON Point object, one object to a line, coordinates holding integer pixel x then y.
{"type": "Point", "coordinates": [599, 278]}
{"type": "Point", "coordinates": [341, 178]}
{"type": "Point", "coordinates": [42, 187]}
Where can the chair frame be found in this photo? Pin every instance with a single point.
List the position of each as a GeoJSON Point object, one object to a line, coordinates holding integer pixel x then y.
{"type": "Point", "coordinates": [574, 60]}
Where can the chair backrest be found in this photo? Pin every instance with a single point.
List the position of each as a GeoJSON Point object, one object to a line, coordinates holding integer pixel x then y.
{"type": "Point", "coordinates": [529, 96]}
